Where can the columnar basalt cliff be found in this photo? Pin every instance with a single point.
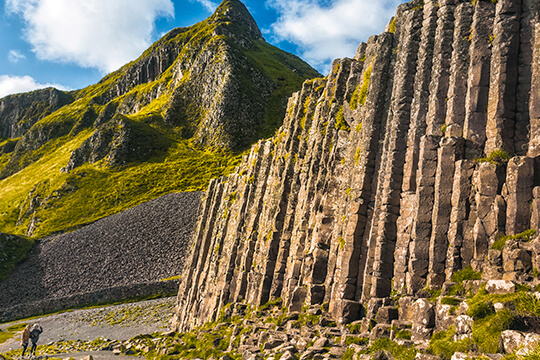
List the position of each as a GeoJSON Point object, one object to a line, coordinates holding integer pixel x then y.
{"type": "Point", "coordinates": [401, 167]}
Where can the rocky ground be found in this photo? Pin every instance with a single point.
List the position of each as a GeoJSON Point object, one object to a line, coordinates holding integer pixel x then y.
{"type": "Point", "coordinates": [474, 319]}
{"type": "Point", "coordinates": [94, 331]}
{"type": "Point", "coordinates": [144, 244]}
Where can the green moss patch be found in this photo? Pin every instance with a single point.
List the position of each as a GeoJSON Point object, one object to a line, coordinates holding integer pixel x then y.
{"type": "Point", "coordinates": [360, 94]}
{"type": "Point", "coordinates": [527, 235]}
{"type": "Point", "coordinates": [497, 157]}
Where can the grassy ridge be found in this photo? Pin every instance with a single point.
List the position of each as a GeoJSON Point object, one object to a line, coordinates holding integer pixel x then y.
{"type": "Point", "coordinates": [93, 191]}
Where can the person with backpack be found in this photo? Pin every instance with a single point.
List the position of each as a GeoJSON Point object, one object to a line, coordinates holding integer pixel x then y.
{"type": "Point", "coordinates": [34, 337]}
{"type": "Point", "coordinates": [25, 336]}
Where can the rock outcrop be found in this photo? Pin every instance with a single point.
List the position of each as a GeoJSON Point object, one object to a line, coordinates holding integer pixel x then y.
{"type": "Point", "coordinates": [217, 83]}
{"type": "Point", "coordinates": [18, 113]}
{"type": "Point", "coordinates": [405, 165]}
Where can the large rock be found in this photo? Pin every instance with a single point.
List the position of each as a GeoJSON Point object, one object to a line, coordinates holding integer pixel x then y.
{"type": "Point", "coordinates": [512, 340]}
{"type": "Point", "coordinates": [500, 287]}
{"type": "Point", "coordinates": [423, 313]}
{"type": "Point", "coordinates": [463, 325]}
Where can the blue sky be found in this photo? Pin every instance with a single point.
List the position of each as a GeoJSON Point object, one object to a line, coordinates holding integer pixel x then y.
{"type": "Point", "coordinates": [70, 44]}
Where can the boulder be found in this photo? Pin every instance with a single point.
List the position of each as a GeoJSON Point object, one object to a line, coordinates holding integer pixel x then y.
{"type": "Point", "coordinates": [423, 313]}
{"type": "Point", "coordinates": [460, 356]}
{"type": "Point", "coordinates": [420, 333]}
{"type": "Point", "coordinates": [463, 325]}
{"type": "Point", "coordinates": [380, 331]}
{"type": "Point", "coordinates": [500, 287]}
{"type": "Point", "coordinates": [386, 314]}
{"type": "Point", "coordinates": [510, 341]}
{"type": "Point", "coordinates": [320, 343]}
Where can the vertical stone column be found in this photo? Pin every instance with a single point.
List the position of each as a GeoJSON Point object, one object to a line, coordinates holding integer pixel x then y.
{"type": "Point", "coordinates": [535, 219]}
{"type": "Point", "coordinates": [519, 184]}
{"type": "Point", "coordinates": [502, 104]}
{"type": "Point", "coordinates": [459, 215]}
{"type": "Point", "coordinates": [421, 229]}
{"type": "Point", "coordinates": [534, 102]}
{"type": "Point", "coordinates": [474, 130]}
{"type": "Point", "coordinates": [459, 70]}
{"type": "Point", "coordinates": [420, 103]}
{"type": "Point", "coordinates": [394, 155]}
{"type": "Point", "coordinates": [450, 151]}
{"type": "Point", "coordinates": [486, 186]}
{"type": "Point", "coordinates": [440, 79]}
{"type": "Point", "coordinates": [526, 37]}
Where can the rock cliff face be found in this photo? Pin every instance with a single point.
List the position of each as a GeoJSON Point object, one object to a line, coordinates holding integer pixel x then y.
{"type": "Point", "coordinates": [208, 90]}
{"type": "Point", "coordinates": [217, 83]}
{"type": "Point", "coordinates": [18, 113]}
{"type": "Point", "coordinates": [403, 166]}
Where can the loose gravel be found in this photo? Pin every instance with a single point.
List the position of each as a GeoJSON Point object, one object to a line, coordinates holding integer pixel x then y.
{"type": "Point", "coordinates": [141, 245]}
{"type": "Point", "coordinates": [114, 322]}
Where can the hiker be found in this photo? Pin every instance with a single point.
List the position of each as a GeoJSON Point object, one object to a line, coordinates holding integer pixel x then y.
{"type": "Point", "coordinates": [34, 337]}
{"type": "Point", "coordinates": [25, 336]}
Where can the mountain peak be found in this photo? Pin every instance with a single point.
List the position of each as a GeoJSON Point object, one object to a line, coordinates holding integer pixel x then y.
{"type": "Point", "coordinates": [234, 11]}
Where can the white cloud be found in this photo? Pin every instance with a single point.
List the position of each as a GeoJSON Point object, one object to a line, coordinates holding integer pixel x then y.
{"type": "Point", "coordinates": [18, 84]}
{"type": "Point", "coordinates": [324, 30]}
{"type": "Point", "coordinates": [210, 6]}
{"type": "Point", "coordinates": [14, 56]}
{"type": "Point", "coordinates": [102, 34]}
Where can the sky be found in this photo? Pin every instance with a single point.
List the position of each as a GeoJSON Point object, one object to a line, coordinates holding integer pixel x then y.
{"type": "Point", "coordinates": [70, 44]}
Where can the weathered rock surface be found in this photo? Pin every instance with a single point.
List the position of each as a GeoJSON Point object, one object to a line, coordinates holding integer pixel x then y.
{"type": "Point", "coordinates": [401, 167]}
{"type": "Point", "coordinates": [217, 82]}
{"type": "Point", "coordinates": [18, 113]}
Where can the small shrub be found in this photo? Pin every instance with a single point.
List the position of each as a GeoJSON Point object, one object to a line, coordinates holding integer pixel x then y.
{"type": "Point", "coordinates": [527, 235]}
{"type": "Point", "coordinates": [340, 121]}
{"type": "Point", "coordinates": [398, 351]}
{"type": "Point", "coordinates": [355, 329]}
{"type": "Point", "coordinates": [480, 310]}
{"type": "Point", "coordinates": [360, 94]}
{"type": "Point", "coordinates": [497, 157]}
{"type": "Point", "coordinates": [404, 334]}
{"type": "Point", "coordinates": [341, 242]}
{"type": "Point", "coordinates": [348, 355]}
{"type": "Point", "coordinates": [356, 340]}
{"type": "Point", "coordinates": [466, 274]}
{"type": "Point", "coordinates": [448, 300]}
{"type": "Point", "coordinates": [442, 344]}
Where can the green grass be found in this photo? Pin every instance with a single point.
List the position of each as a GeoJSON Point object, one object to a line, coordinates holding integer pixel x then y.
{"type": "Point", "coordinates": [442, 344]}
{"type": "Point", "coordinates": [398, 351]}
{"type": "Point", "coordinates": [527, 235]}
{"type": "Point", "coordinates": [11, 332]}
{"type": "Point", "coordinates": [448, 300]}
{"type": "Point", "coordinates": [520, 309]}
{"type": "Point", "coordinates": [102, 192]}
{"type": "Point", "coordinates": [497, 157]}
{"type": "Point", "coordinates": [360, 94]}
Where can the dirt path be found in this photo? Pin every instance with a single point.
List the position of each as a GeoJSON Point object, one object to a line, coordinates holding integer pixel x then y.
{"type": "Point", "coordinates": [115, 322]}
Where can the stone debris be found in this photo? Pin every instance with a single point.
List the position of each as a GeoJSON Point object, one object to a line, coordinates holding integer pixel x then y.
{"type": "Point", "coordinates": [122, 256]}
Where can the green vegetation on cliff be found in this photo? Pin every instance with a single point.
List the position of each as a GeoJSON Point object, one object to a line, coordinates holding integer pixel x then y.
{"type": "Point", "coordinates": [170, 121]}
